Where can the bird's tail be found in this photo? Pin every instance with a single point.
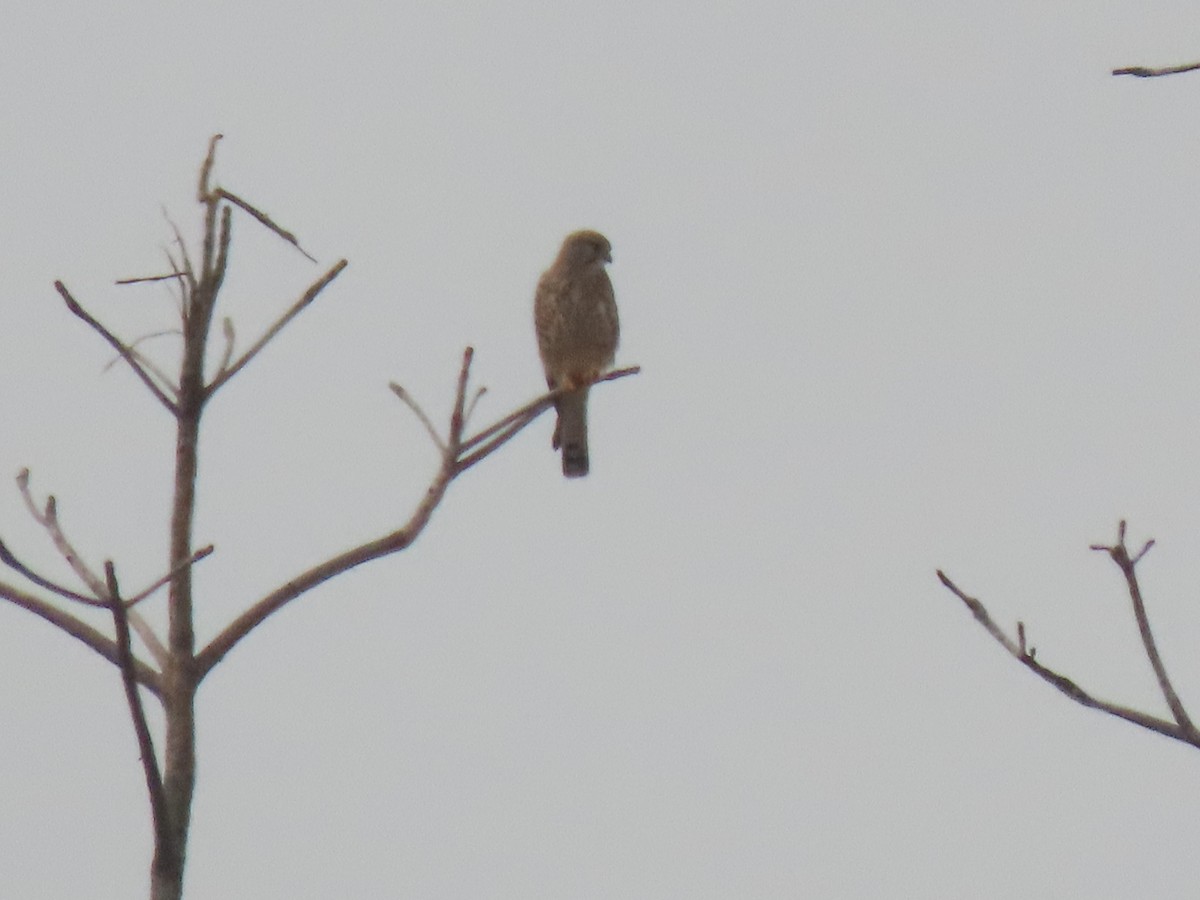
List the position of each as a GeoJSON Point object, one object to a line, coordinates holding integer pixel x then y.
{"type": "Point", "coordinates": [571, 433]}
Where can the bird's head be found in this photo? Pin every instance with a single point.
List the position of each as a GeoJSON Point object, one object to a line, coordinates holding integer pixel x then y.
{"type": "Point", "coordinates": [582, 248]}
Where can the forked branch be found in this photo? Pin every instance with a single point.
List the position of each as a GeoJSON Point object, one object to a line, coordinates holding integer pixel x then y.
{"type": "Point", "coordinates": [117, 344]}
{"type": "Point", "coordinates": [1181, 729]}
{"type": "Point", "coordinates": [457, 455]}
{"type": "Point", "coordinates": [490, 439]}
{"type": "Point", "coordinates": [82, 632]}
{"type": "Point", "coordinates": [100, 596]}
{"type": "Point", "coordinates": [1127, 564]}
{"type": "Point", "coordinates": [228, 371]}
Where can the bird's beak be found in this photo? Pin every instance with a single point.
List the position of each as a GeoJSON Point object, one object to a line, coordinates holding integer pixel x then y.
{"type": "Point", "coordinates": [608, 257]}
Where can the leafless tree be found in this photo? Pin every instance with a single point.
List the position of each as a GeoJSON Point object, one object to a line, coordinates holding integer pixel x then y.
{"type": "Point", "coordinates": [172, 670]}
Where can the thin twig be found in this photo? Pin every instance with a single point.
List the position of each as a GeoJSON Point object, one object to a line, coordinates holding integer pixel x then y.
{"type": "Point", "coordinates": [150, 640]}
{"type": "Point", "coordinates": [146, 592]}
{"type": "Point", "coordinates": [458, 417]}
{"type": "Point", "coordinates": [453, 464]}
{"type": "Point", "coordinates": [164, 380]}
{"type": "Point", "coordinates": [1061, 682]}
{"type": "Point", "coordinates": [1143, 72]}
{"type": "Point", "coordinates": [981, 615]}
{"type": "Point", "coordinates": [263, 219]}
{"type": "Point", "coordinates": [203, 194]}
{"type": "Point", "coordinates": [211, 202]}
{"type": "Point", "coordinates": [308, 297]}
{"type": "Point", "coordinates": [145, 279]}
{"type": "Point", "coordinates": [154, 781]}
{"type": "Point", "coordinates": [230, 335]}
{"type": "Point", "coordinates": [499, 439]}
{"type": "Point", "coordinates": [118, 345]}
{"type": "Point", "coordinates": [492, 438]}
{"type": "Point", "coordinates": [183, 289]}
{"type": "Point", "coordinates": [166, 332]}
{"type": "Point", "coordinates": [536, 406]}
{"type": "Point", "coordinates": [49, 521]}
{"type": "Point", "coordinates": [390, 543]}
{"type": "Point", "coordinates": [9, 559]}
{"type": "Point", "coordinates": [216, 276]}
{"type": "Point", "coordinates": [1120, 555]}
{"type": "Point", "coordinates": [82, 632]}
{"type": "Point", "coordinates": [522, 417]}
{"type": "Point", "coordinates": [474, 402]}
{"type": "Point", "coordinates": [188, 271]}
{"type": "Point", "coordinates": [412, 404]}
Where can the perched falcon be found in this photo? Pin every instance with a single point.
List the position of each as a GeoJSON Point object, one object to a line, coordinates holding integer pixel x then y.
{"type": "Point", "coordinates": [575, 315]}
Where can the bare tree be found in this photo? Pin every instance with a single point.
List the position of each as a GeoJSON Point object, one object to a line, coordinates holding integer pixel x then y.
{"type": "Point", "coordinates": [172, 670]}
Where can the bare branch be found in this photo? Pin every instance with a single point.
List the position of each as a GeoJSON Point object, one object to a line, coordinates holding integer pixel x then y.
{"type": "Point", "coordinates": [453, 464]}
{"type": "Point", "coordinates": [118, 345]}
{"type": "Point", "coordinates": [49, 521]}
{"type": "Point", "coordinates": [1143, 72]}
{"type": "Point", "coordinates": [1137, 557]}
{"type": "Point", "coordinates": [490, 439]}
{"type": "Point", "coordinates": [154, 782]}
{"type": "Point", "coordinates": [496, 441]}
{"type": "Point", "coordinates": [146, 592]}
{"type": "Point", "coordinates": [146, 279]}
{"type": "Point", "coordinates": [520, 417]}
{"type": "Point", "coordinates": [1016, 648]}
{"type": "Point", "coordinates": [149, 639]}
{"type": "Point", "coordinates": [230, 336]}
{"type": "Point", "coordinates": [164, 380]}
{"type": "Point", "coordinates": [1061, 682]}
{"type": "Point", "coordinates": [203, 194]}
{"type": "Point", "coordinates": [537, 406]}
{"type": "Point", "coordinates": [458, 416]}
{"type": "Point", "coordinates": [263, 219]}
{"type": "Point", "coordinates": [1120, 555]}
{"type": "Point", "coordinates": [216, 276]}
{"type": "Point", "coordinates": [306, 581]}
{"type": "Point", "coordinates": [474, 402]}
{"type": "Point", "coordinates": [419, 413]}
{"type": "Point", "coordinates": [9, 559]}
{"type": "Point", "coordinates": [188, 271]}
{"type": "Point", "coordinates": [309, 296]}
{"type": "Point", "coordinates": [82, 632]}
{"type": "Point", "coordinates": [618, 373]}
{"type": "Point", "coordinates": [211, 202]}
{"type": "Point", "coordinates": [387, 544]}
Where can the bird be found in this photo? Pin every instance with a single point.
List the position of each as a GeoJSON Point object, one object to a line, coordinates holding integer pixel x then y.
{"type": "Point", "coordinates": [575, 317]}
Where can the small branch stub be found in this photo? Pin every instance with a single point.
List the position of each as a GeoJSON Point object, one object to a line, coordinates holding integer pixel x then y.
{"type": "Point", "coordinates": [1144, 72]}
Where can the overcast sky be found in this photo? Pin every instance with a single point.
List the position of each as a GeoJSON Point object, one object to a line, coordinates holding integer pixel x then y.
{"type": "Point", "coordinates": [913, 285]}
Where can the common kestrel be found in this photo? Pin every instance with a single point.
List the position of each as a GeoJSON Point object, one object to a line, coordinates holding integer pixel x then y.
{"type": "Point", "coordinates": [575, 315]}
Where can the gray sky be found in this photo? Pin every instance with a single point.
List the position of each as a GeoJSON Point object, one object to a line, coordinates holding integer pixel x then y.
{"type": "Point", "coordinates": [912, 286]}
